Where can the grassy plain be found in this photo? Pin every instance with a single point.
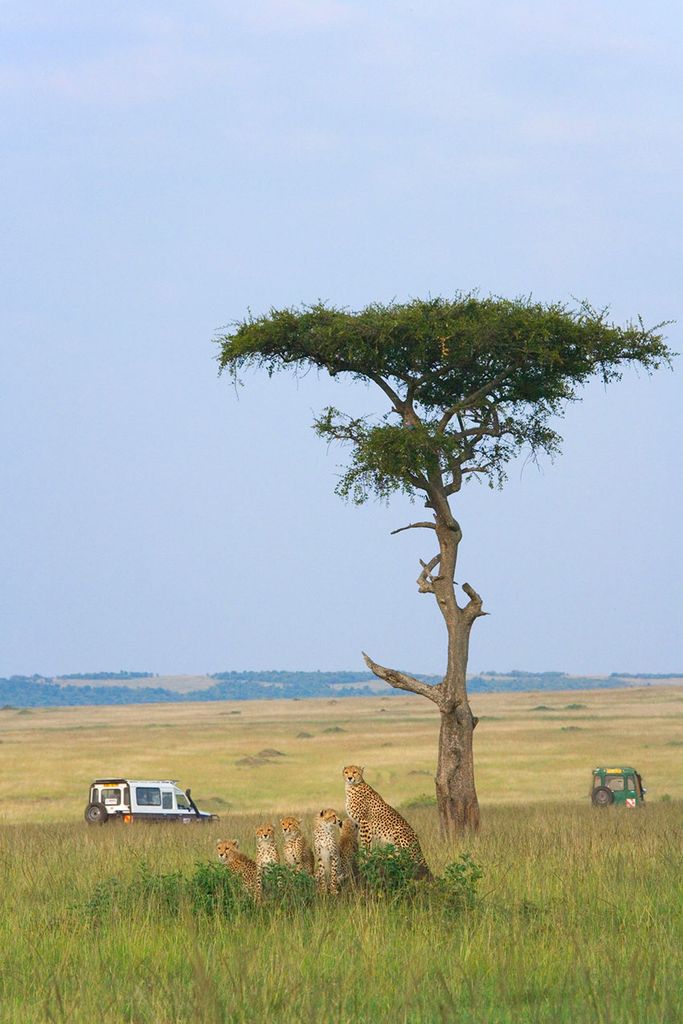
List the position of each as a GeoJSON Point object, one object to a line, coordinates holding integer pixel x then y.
{"type": "Point", "coordinates": [529, 747]}
{"type": "Point", "coordinates": [580, 917]}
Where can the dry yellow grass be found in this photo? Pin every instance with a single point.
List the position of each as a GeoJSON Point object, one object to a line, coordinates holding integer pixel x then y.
{"type": "Point", "coordinates": [49, 756]}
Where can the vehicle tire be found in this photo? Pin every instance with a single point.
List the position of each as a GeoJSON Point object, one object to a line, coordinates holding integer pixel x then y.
{"type": "Point", "coordinates": [602, 796]}
{"type": "Point", "coordinates": [96, 814]}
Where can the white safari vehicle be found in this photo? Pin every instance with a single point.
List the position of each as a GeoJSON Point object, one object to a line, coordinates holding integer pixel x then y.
{"type": "Point", "coordinates": [149, 800]}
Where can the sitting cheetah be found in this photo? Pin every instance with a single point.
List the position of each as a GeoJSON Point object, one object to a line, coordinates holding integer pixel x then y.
{"type": "Point", "coordinates": [348, 848]}
{"type": "Point", "coordinates": [229, 853]}
{"type": "Point", "coordinates": [266, 851]}
{"type": "Point", "coordinates": [328, 869]}
{"type": "Point", "coordinates": [377, 821]}
{"type": "Point", "coordinates": [298, 853]}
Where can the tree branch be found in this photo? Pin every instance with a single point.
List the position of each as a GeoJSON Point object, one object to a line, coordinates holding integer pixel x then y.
{"type": "Point", "coordinates": [455, 486]}
{"type": "Point", "coordinates": [401, 681]}
{"type": "Point", "coordinates": [425, 581]}
{"type": "Point", "coordinates": [473, 607]}
{"type": "Point", "coordinates": [397, 401]}
{"type": "Point", "coordinates": [470, 400]}
{"type": "Point", "coordinates": [414, 526]}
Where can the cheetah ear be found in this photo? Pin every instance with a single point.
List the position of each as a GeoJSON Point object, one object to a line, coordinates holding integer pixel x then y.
{"type": "Point", "coordinates": [236, 844]}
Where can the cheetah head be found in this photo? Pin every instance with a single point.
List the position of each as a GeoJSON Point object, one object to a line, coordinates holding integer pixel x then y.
{"type": "Point", "coordinates": [290, 827]}
{"type": "Point", "coordinates": [224, 847]}
{"type": "Point", "coordinates": [265, 835]}
{"type": "Point", "coordinates": [329, 817]}
{"type": "Point", "coordinates": [353, 775]}
{"type": "Point", "coordinates": [349, 827]}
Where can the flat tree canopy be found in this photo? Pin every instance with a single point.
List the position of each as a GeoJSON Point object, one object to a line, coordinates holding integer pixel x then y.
{"type": "Point", "coordinates": [470, 383]}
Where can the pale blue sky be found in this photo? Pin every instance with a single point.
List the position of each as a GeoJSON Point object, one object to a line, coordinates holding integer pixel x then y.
{"type": "Point", "coordinates": [166, 166]}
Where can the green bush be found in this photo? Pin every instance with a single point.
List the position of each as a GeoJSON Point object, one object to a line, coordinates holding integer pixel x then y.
{"type": "Point", "coordinates": [459, 884]}
{"type": "Point", "coordinates": [386, 870]}
{"type": "Point", "coordinates": [159, 892]}
{"type": "Point", "coordinates": [287, 886]}
{"type": "Point", "coordinates": [212, 890]}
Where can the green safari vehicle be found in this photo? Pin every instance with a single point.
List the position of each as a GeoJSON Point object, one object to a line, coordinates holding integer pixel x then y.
{"type": "Point", "coordinates": [622, 786]}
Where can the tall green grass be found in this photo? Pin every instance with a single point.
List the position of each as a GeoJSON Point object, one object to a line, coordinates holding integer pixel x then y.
{"type": "Point", "coordinates": [579, 919]}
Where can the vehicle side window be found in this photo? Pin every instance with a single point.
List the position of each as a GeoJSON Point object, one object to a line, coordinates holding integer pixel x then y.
{"type": "Point", "coordinates": [148, 796]}
{"type": "Point", "coordinates": [167, 801]}
{"type": "Point", "coordinates": [181, 801]}
{"type": "Point", "coordinates": [631, 783]}
{"type": "Point", "coordinates": [615, 783]}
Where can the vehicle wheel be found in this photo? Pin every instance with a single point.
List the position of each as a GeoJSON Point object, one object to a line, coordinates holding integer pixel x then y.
{"type": "Point", "coordinates": [96, 814]}
{"type": "Point", "coordinates": [602, 796]}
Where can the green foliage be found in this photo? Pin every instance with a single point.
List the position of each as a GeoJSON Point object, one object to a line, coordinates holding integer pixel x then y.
{"type": "Point", "coordinates": [385, 870]}
{"type": "Point", "coordinates": [459, 884]}
{"type": "Point", "coordinates": [155, 893]}
{"type": "Point", "coordinates": [289, 887]}
{"type": "Point", "coordinates": [473, 381]}
{"type": "Point", "coordinates": [212, 890]}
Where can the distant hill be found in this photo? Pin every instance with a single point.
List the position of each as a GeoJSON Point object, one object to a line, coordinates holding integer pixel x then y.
{"type": "Point", "coordinates": [104, 688]}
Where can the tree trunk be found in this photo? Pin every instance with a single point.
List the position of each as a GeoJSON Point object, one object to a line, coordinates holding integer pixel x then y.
{"type": "Point", "coordinates": [456, 794]}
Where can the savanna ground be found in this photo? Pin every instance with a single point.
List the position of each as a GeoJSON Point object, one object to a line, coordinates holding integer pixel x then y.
{"type": "Point", "coordinates": [579, 915]}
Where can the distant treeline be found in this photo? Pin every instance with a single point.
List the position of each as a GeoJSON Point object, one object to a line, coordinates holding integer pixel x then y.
{"type": "Point", "coordinates": [35, 691]}
{"type": "Point", "coordinates": [38, 691]}
{"type": "Point", "coordinates": [648, 675]}
{"type": "Point", "coordinates": [108, 675]}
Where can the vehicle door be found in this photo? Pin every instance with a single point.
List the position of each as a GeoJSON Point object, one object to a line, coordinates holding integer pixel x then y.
{"type": "Point", "coordinates": [616, 784]}
{"type": "Point", "coordinates": [116, 797]}
{"type": "Point", "coordinates": [185, 811]}
{"type": "Point", "coordinates": [630, 790]}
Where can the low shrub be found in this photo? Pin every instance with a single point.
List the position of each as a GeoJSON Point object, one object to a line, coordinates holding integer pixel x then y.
{"type": "Point", "coordinates": [385, 870]}
{"type": "Point", "coordinates": [459, 884]}
{"type": "Point", "coordinates": [214, 891]}
{"type": "Point", "coordinates": [289, 887]}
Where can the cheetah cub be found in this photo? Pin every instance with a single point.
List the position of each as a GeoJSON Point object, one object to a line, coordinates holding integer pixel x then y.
{"type": "Point", "coordinates": [266, 851]}
{"type": "Point", "coordinates": [328, 867]}
{"type": "Point", "coordinates": [378, 821]}
{"type": "Point", "coordinates": [229, 853]}
{"type": "Point", "coordinates": [348, 848]}
{"type": "Point", "coordinates": [297, 852]}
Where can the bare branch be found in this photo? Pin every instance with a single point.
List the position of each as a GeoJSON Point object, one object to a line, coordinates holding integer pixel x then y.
{"type": "Point", "coordinates": [425, 581]}
{"type": "Point", "coordinates": [401, 681]}
{"type": "Point", "coordinates": [414, 526]}
{"type": "Point", "coordinates": [473, 607]}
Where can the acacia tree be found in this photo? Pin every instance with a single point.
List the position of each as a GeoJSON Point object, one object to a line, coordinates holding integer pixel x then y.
{"type": "Point", "coordinates": [470, 384]}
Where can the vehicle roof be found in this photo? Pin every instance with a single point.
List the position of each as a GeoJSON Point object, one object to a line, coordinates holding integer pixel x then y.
{"type": "Point", "coordinates": [616, 770]}
{"type": "Point", "coordinates": [135, 782]}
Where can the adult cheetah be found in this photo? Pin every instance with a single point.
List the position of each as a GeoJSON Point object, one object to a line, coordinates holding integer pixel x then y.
{"type": "Point", "coordinates": [328, 866]}
{"type": "Point", "coordinates": [377, 821]}
{"type": "Point", "coordinates": [297, 852]}
{"type": "Point", "coordinates": [244, 867]}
